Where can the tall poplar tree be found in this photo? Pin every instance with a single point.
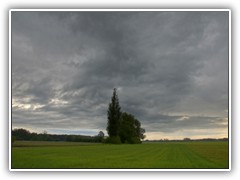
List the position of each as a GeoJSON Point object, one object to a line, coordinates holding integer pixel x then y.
{"type": "Point", "coordinates": [114, 115]}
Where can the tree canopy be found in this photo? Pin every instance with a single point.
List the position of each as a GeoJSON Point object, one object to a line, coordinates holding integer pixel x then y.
{"type": "Point", "coordinates": [130, 129]}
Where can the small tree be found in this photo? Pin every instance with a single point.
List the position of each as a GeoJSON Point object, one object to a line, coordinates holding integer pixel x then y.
{"type": "Point", "coordinates": [101, 134]}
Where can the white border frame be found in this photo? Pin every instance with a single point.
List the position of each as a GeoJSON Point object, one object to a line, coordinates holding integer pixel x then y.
{"type": "Point", "coordinates": [115, 170]}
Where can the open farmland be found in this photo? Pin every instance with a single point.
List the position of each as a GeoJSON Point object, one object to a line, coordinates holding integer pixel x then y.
{"type": "Point", "coordinates": [147, 155]}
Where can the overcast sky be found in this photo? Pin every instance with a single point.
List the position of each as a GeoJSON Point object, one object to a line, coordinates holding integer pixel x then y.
{"type": "Point", "coordinates": [170, 70]}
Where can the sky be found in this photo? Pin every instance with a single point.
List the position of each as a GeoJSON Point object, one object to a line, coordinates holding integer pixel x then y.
{"type": "Point", "coordinates": [170, 70]}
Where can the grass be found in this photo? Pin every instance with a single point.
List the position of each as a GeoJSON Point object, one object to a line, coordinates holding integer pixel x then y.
{"type": "Point", "coordinates": [147, 155]}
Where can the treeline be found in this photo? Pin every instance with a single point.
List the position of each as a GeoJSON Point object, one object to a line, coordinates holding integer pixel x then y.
{"type": "Point", "coordinates": [25, 135]}
{"type": "Point", "coordinates": [187, 139]}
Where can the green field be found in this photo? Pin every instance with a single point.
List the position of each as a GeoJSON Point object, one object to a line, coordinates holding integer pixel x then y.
{"type": "Point", "coordinates": [147, 155]}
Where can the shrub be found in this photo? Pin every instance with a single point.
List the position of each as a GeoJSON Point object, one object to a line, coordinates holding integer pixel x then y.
{"type": "Point", "coordinates": [113, 140]}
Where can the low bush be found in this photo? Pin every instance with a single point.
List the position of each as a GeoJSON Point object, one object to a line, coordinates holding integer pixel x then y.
{"type": "Point", "coordinates": [113, 140]}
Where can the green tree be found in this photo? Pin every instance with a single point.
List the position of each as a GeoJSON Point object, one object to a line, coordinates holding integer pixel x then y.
{"type": "Point", "coordinates": [140, 131]}
{"type": "Point", "coordinates": [101, 134]}
{"type": "Point", "coordinates": [130, 129]}
{"type": "Point", "coordinates": [21, 134]}
{"type": "Point", "coordinates": [100, 137]}
{"type": "Point", "coordinates": [127, 128]}
{"type": "Point", "coordinates": [114, 114]}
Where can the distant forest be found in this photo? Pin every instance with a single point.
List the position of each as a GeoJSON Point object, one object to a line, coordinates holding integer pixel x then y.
{"type": "Point", "coordinates": [25, 135]}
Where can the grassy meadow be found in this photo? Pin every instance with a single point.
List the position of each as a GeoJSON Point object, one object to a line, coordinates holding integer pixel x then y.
{"type": "Point", "coordinates": [160, 155]}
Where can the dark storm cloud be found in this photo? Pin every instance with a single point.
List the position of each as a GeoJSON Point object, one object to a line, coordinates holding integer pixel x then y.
{"type": "Point", "coordinates": [65, 65]}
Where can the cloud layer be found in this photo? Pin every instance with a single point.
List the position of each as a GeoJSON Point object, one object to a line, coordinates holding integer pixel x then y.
{"type": "Point", "coordinates": [170, 68]}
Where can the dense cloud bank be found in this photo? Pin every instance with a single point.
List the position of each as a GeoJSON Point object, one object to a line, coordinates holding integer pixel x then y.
{"type": "Point", "coordinates": [170, 69]}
